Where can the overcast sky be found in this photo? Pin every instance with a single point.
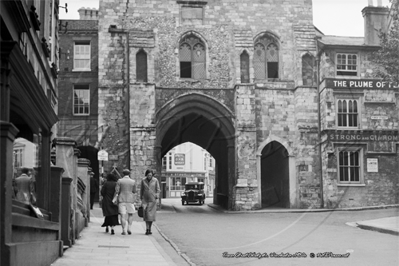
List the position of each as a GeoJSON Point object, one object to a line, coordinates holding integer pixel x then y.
{"type": "Point", "coordinates": [332, 17]}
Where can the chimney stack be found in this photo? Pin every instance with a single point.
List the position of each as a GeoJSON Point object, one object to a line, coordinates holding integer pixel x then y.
{"type": "Point", "coordinates": [88, 13]}
{"type": "Point", "coordinates": [375, 18]}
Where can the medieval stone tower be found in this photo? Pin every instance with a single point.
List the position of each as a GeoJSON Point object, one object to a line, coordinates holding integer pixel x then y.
{"type": "Point", "coordinates": [236, 77]}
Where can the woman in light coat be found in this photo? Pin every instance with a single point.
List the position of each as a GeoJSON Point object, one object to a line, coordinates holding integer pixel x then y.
{"type": "Point", "coordinates": [149, 194]}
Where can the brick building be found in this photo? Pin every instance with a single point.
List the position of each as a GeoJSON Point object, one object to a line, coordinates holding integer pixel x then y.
{"type": "Point", "coordinates": [359, 120]}
{"type": "Point", "coordinates": [78, 84]}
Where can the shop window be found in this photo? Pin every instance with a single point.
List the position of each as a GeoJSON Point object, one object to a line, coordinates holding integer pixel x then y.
{"type": "Point", "coordinates": [170, 161]}
{"type": "Point", "coordinates": [18, 157]}
{"type": "Point", "coordinates": [244, 65]}
{"type": "Point", "coordinates": [266, 58]}
{"type": "Point", "coordinates": [81, 56]}
{"type": "Point", "coordinates": [192, 58]}
{"type": "Point", "coordinates": [348, 113]}
{"type": "Point", "coordinates": [346, 64]}
{"type": "Point", "coordinates": [350, 166]}
{"type": "Point", "coordinates": [25, 159]}
{"type": "Point", "coordinates": [178, 183]}
{"type": "Point", "coordinates": [81, 100]}
{"type": "Point", "coordinates": [141, 66]}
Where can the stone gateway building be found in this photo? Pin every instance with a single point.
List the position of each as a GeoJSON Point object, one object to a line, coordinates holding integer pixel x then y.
{"type": "Point", "coordinates": [239, 82]}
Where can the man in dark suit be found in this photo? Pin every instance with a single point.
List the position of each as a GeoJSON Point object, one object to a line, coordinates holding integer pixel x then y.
{"type": "Point", "coordinates": [93, 189]}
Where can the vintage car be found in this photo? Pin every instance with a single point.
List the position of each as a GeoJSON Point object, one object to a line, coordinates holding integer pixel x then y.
{"type": "Point", "coordinates": [193, 192]}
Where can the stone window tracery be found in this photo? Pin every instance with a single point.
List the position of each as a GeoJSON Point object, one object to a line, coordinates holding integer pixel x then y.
{"type": "Point", "coordinates": [266, 58]}
{"type": "Point", "coordinates": [192, 56]}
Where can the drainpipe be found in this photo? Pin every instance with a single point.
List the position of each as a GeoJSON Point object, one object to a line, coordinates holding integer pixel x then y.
{"type": "Point", "coordinates": [318, 55]}
{"type": "Point", "coordinates": [114, 29]}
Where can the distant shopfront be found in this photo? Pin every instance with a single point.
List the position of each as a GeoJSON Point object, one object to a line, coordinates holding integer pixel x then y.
{"type": "Point", "coordinates": [174, 182]}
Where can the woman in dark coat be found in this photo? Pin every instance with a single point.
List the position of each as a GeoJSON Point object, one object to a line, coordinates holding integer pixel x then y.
{"type": "Point", "coordinates": [110, 210]}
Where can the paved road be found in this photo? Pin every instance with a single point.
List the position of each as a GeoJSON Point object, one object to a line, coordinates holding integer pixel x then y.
{"type": "Point", "coordinates": [209, 237]}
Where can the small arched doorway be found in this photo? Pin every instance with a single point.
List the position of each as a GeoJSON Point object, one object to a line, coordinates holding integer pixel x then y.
{"type": "Point", "coordinates": [275, 176]}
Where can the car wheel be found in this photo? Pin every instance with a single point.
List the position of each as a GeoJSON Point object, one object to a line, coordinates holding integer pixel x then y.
{"type": "Point", "coordinates": [182, 202]}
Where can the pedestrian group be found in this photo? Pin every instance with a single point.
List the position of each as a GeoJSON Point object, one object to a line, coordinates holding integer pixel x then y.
{"type": "Point", "coordinates": [119, 196]}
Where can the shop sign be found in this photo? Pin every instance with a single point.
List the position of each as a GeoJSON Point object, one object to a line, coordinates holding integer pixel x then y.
{"type": "Point", "coordinates": [359, 84]}
{"type": "Point", "coordinates": [379, 117]}
{"type": "Point", "coordinates": [363, 136]}
{"type": "Point", "coordinates": [185, 174]}
{"type": "Point", "coordinates": [180, 159]}
{"type": "Point", "coordinates": [372, 165]}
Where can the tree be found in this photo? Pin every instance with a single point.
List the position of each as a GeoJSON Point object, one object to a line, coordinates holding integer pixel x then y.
{"type": "Point", "coordinates": [387, 58]}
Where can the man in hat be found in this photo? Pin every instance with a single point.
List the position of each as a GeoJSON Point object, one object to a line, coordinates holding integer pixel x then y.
{"type": "Point", "coordinates": [126, 190]}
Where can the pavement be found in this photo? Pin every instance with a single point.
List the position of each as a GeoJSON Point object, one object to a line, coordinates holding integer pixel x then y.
{"type": "Point", "coordinates": [95, 247]}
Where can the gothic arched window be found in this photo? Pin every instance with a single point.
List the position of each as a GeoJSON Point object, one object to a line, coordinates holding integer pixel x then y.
{"type": "Point", "coordinates": [141, 66]}
{"type": "Point", "coordinates": [307, 69]}
{"type": "Point", "coordinates": [266, 58]}
{"type": "Point", "coordinates": [192, 58]}
{"type": "Point", "coordinates": [244, 65]}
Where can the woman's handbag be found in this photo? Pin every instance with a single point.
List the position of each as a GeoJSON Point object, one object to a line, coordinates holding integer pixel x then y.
{"type": "Point", "coordinates": [140, 211]}
{"type": "Point", "coordinates": [115, 199]}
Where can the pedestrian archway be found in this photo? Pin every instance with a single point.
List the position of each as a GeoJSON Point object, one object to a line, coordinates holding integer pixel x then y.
{"type": "Point", "coordinates": [275, 186]}
{"type": "Point", "coordinates": [90, 153]}
{"type": "Point", "coordinates": [207, 123]}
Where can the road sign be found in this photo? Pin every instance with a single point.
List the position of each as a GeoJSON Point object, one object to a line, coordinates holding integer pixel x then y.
{"type": "Point", "coordinates": [102, 155]}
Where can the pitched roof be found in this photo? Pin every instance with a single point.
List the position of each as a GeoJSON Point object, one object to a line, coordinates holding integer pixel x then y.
{"type": "Point", "coordinates": [342, 40]}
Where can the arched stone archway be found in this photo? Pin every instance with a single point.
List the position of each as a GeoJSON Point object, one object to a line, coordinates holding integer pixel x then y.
{"type": "Point", "coordinates": [276, 174]}
{"type": "Point", "coordinates": [201, 120]}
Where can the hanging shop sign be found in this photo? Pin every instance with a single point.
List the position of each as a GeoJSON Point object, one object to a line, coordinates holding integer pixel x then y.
{"type": "Point", "coordinates": [102, 155]}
